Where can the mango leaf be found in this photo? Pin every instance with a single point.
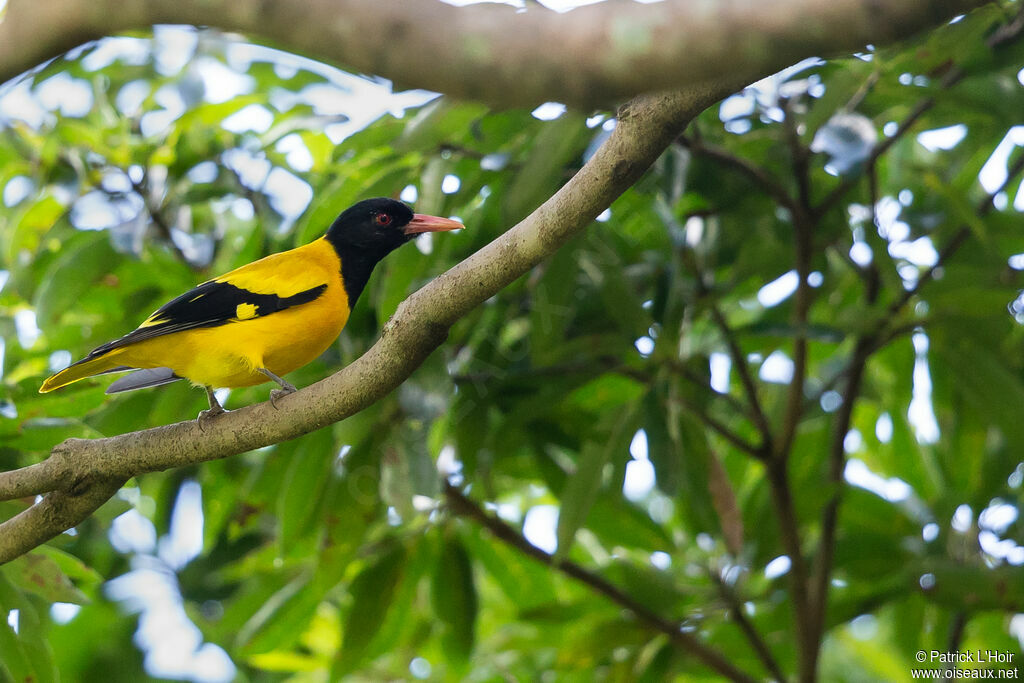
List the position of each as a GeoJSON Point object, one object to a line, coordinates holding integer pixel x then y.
{"type": "Point", "coordinates": [38, 572]}
{"type": "Point", "coordinates": [723, 498]}
{"type": "Point", "coordinates": [27, 652]}
{"type": "Point", "coordinates": [558, 142]}
{"type": "Point", "coordinates": [525, 582]}
{"type": "Point", "coordinates": [372, 592]}
{"type": "Point", "coordinates": [583, 485]}
{"type": "Point", "coordinates": [453, 594]}
{"type": "Point", "coordinates": [310, 467]}
{"type": "Point", "coordinates": [295, 605]}
{"type": "Point", "coordinates": [83, 260]}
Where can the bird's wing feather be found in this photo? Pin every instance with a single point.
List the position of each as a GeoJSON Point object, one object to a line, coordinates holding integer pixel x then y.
{"type": "Point", "coordinates": [212, 303]}
{"type": "Point", "coordinates": [141, 379]}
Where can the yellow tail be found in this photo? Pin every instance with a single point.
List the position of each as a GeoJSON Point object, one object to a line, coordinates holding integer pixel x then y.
{"type": "Point", "coordinates": [87, 367]}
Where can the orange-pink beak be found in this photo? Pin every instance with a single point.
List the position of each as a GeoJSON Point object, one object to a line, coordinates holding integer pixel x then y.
{"type": "Point", "coordinates": [423, 223]}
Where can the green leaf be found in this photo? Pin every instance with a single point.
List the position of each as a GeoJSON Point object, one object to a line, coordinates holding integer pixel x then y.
{"type": "Point", "coordinates": [526, 582]}
{"type": "Point", "coordinates": [583, 485]}
{"type": "Point", "coordinates": [559, 142]}
{"type": "Point", "coordinates": [33, 222]}
{"type": "Point", "coordinates": [31, 659]}
{"type": "Point", "coordinates": [453, 594]}
{"type": "Point", "coordinates": [310, 467]}
{"type": "Point", "coordinates": [38, 572]}
{"type": "Point", "coordinates": [372, 592]}
{"type": "Point", "coordinates": [971, 587]}
{"type": "Point", "coordinates": [294, 606]}
{"type": "Point", "coordinates": [83, 260]}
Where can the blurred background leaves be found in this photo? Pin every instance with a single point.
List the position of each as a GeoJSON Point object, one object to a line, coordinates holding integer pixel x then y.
{"type": "Point", "coordinates": [578, 405]}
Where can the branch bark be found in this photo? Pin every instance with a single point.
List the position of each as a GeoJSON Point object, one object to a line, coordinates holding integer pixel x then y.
{"type": "Point", "coordinates": [498, 54]}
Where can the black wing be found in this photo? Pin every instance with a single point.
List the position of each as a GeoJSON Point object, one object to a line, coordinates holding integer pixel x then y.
{"type": "Point", "coordinates": [210, 304]}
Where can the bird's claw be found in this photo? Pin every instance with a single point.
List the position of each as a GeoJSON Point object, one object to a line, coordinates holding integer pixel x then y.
{"type": "Point", "coordinates": [206, 415]}
{"type": "Point", "coordinates": [278, 393]}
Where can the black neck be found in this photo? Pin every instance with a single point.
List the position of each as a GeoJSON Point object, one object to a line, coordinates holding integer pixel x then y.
{"type": "Point", "coordinates": [356, 266]}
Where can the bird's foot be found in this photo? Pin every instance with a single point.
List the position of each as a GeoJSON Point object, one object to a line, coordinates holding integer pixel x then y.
{"type": "Point", "coordinates": [279, 393]}
{"type": "Point", "coordinates": [206, 415]}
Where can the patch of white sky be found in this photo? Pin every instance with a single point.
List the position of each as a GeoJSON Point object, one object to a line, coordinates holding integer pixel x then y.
{"type": "Point", "coordinates": [777, 567]}
{"type": "Point", "coordinates": [993, 174]}
{"type": "Point", "coordinates": [539, 527]}
{"type": "Point", "coordinates": [921, 413]}
{"type": "Point", "coordinates": [892, 489]}
{"type": "Point", "coordinates": [720, 366]}
{"type": "Point", "coordinates": [992, 522]}
{"type": "Point", "coordinates": [777, 368]}
{"type": "Point", "coordinates": [639, 479]}
{"type": "Point", "coordinates": [173, 646]}
{"type": "Point", "coordinates": [735, 110]}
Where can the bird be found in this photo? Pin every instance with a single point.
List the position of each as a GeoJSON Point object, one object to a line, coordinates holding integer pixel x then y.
{"type": "Point", "coordinates": [263, 320]}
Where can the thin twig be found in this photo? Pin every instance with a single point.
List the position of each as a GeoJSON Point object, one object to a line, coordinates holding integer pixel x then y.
{"type": "Point", "coordinates": [789, 529]}
{"type": "Point", "coordinates": [698, 381]}
{"type": "Point", "coordinates": [142, 190]}
{"type": "Point", "coordinates": [1004, 35]}
{"type": "Point", "coordinates": [822, 571]}
{"type": "Point", "coordinates": [463, 506]}
{"type": "Point", "coordinates": [755, 451]}
{"type": "Point", "coordinates": [759, 176]}
{"type": "Point", "coordinates": [778, 472]}
{"type": "Point", "coordinates": [739, 361]}
{"type": "Point", "coordinates": [803, 226]}
{"type": "Point", "coordinates": [754, 637]}
{"type": "Point", "coordinates": [956, 634]}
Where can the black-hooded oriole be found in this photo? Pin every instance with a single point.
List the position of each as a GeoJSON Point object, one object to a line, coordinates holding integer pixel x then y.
{"type": "Point", "coordinates": [263, 320]}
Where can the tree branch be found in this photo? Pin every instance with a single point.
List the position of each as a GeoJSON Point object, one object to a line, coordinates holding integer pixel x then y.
{"type": "Point", "coordinates": [465, 507]}
{"type": "Point", "coordinates": [804, 224]}
{"type": "Point", "coordinates": [756, 452]}
{"type": "Point", "coordinates": [1005, 34]}
{"type": "Point", "coordinates": [756, 174]}
{"type": "Point", "coordinates": [789, 529]}
{"type": "Point", "coordinates": [645, 127]}
{"type": "Point", "coordinates": [749, 630]}
{"type": "Point", "coordinates": [747, 380]}
{"type": "Point", "coordinates": [499, 54]}
{"type": "Point", "coordinates": [822, 571]}
{"type": "Point", "coordinates": [958, 239]}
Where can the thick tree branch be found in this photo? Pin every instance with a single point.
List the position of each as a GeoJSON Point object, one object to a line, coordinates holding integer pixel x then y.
{"type": "Point", "coordinates": [645, 128]}
{"type": "Point", "coordinates": [496, 53]}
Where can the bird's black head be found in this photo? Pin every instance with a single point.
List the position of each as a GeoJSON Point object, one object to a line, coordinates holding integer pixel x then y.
{"type": "Point", "coordinates": [368, 231]}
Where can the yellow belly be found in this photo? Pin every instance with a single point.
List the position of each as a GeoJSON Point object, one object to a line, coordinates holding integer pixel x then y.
{"type": "Point", "coordinates": [231, 355]}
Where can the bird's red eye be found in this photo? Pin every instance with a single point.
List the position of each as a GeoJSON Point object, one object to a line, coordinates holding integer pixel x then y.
{"type": "Point", "coordinates": [382, 219]}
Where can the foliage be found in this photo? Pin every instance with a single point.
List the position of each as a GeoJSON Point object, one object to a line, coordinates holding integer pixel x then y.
{"type": "Point", "coordinates": [609, 383]}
